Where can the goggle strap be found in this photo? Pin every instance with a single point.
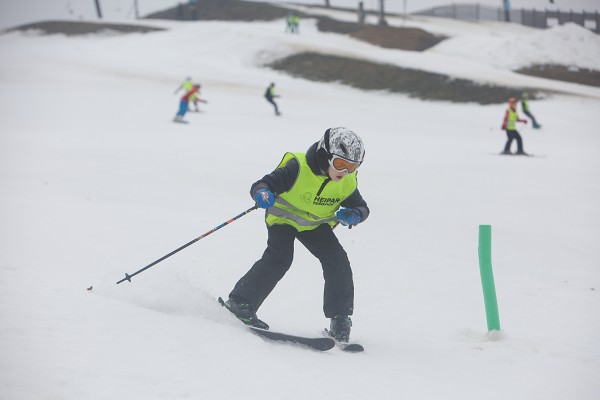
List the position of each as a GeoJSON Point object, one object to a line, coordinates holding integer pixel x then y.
{"type": "Point", "coordinates": [326, 140]}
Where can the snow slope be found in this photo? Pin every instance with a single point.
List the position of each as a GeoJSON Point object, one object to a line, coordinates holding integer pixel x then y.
{"type": "Point", "coordinates": [97, 181]}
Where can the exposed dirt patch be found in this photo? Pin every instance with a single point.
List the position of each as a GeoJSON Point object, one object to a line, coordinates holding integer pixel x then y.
{"type": "Point", "coordinates": [235, 10]}
{"type": "Point", "coordinates": [412, 39]}
{"type": "Point", "coordinates": [583, 76]}
{"type": "Point", "coordinates": [222, 10]}
{"type": "Point", "coordinates": [73, 28]}
{"type": "Point", "coordinates": [371, 76]}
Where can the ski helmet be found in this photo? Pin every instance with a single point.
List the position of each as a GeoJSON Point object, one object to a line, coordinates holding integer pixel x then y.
{"type": "Point", "coordinates": [342, 142]}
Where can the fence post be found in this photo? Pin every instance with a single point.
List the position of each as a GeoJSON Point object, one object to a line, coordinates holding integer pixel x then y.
{"type": "Point", "coordinates": [544, 21]}
{"type": "Point", "coordinates": [98, 10]}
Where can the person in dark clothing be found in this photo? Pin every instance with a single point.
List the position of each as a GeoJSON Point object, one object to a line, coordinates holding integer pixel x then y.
{"type": "Point", "coordinates": [510, 126]}
{"type": "Point", "coordinates": [305, 197]}
{"type": "Point", "coordinates": [527, 110]}
{"type": "Point", "coordinates": [270, 96]}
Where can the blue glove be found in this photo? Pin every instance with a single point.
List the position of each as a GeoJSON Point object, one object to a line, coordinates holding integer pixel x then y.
{"type": "Point", "coordinates": [264, 198]}
{"type": "Point", "coordinates": [348, 217]}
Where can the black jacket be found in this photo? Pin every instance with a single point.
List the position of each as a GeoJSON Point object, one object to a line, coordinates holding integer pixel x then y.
{"type": "Point", "coordinates": [282, 179]}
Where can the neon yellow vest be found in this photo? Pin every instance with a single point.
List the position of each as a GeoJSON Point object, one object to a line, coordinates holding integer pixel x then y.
{"type": "Point", "coordinates": [525, 105]}
{"type": "Point", "coordinates": [512, 120]}
{"type": "Point", "coordinates": [309, 203]}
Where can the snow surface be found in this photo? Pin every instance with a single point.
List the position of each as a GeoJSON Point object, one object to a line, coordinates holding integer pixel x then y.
{"type": "Point", "coordinates": [97, 181]}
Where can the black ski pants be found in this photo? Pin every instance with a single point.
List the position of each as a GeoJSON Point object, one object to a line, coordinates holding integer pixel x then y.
{"type": "Point", "coordinates": [513, 135]}
{"type": "Point", "coordinates": [270, 100]}
{"type": "Point", "coordinates": [257, 284]}
{"type": "Point", "coordinates": [533, 120]}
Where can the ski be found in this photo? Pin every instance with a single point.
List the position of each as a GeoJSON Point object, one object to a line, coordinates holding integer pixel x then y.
{"type": "Point", "coordinates": [520, 155]}
{"type": "Point", "coordinates": [350, 347]}
{"type": "Point", "coordinates": [315, 343]}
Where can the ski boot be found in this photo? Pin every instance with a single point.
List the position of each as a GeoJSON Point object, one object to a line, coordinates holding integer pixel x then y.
{"type": "Point", "coordinates": [339, 329]}
{"type": "Point", "coordinates": [244, 312]}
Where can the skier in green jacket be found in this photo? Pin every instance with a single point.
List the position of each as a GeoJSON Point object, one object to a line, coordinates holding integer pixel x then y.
{"type": "Point", "coordinates": [527, 111]}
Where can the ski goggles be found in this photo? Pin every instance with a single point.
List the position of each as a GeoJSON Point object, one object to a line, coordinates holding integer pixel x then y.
{"type": "Point", "coordinates": [341, 164]}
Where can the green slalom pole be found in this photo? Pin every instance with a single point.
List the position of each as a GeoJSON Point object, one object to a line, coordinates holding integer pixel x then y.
{"type": "Point", "coordinates": [487, 277]}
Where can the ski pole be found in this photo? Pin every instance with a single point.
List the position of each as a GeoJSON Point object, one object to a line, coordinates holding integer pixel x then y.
{"type": "Point", "coordinates": [128, 276]}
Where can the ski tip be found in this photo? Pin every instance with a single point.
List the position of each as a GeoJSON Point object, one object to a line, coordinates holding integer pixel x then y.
{"type": "Point", "coordinates": [352, 347]}
{"type": "Point", "coordinates": [329, 345]}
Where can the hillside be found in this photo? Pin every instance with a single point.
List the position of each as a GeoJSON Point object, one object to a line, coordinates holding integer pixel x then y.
{"type": "Point", "coordinates": [97, 181]}
{"type": "Point", "coordinates": [356, 72]}
{"type": "Point", "coordinates": [393, 37]}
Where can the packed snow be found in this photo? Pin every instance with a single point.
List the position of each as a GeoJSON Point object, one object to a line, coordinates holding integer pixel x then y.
{"type": "Point", "coordinates": [97, 181]}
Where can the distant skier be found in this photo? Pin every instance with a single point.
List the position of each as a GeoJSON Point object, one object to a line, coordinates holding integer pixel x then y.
{"type": "Point", "coordinates": [509, 125]}
{"type": "Point", "coordinates": [195, 99]}
{"type": "Point", "coordinates": [304, 198]}
{"type": "Point", "coordinates": [186, 85]}
{"type": "Point", "coordinates": [527, 111]}
{"type": "Point", "coordinates": [292, 23]}
{"type": "Point", "coordinates": [184, 103]}
{"type": "Point", "coordinates": [289, 23]}
{"type": "Point", "coordinates": [270, 96]}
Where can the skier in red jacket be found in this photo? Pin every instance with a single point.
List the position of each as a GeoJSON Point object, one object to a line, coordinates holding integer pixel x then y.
{"type": "Point", "coordinates": [184, 102]}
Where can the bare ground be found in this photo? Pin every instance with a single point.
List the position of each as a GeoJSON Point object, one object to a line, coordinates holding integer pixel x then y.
{"type": "Point", "coordinates": [74, 28]}
{"type": "Point", "coordinates": [366, 75]}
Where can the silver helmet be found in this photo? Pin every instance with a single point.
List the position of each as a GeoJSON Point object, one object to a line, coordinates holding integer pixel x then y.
{"type": "Point", "coordinates": [342, 142]}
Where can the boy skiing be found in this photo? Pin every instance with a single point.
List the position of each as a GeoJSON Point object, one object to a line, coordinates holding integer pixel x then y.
{"type": "Point", "coordinates": [304, 198]}
{"type": "Point", "coordinates": [509, 125]}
